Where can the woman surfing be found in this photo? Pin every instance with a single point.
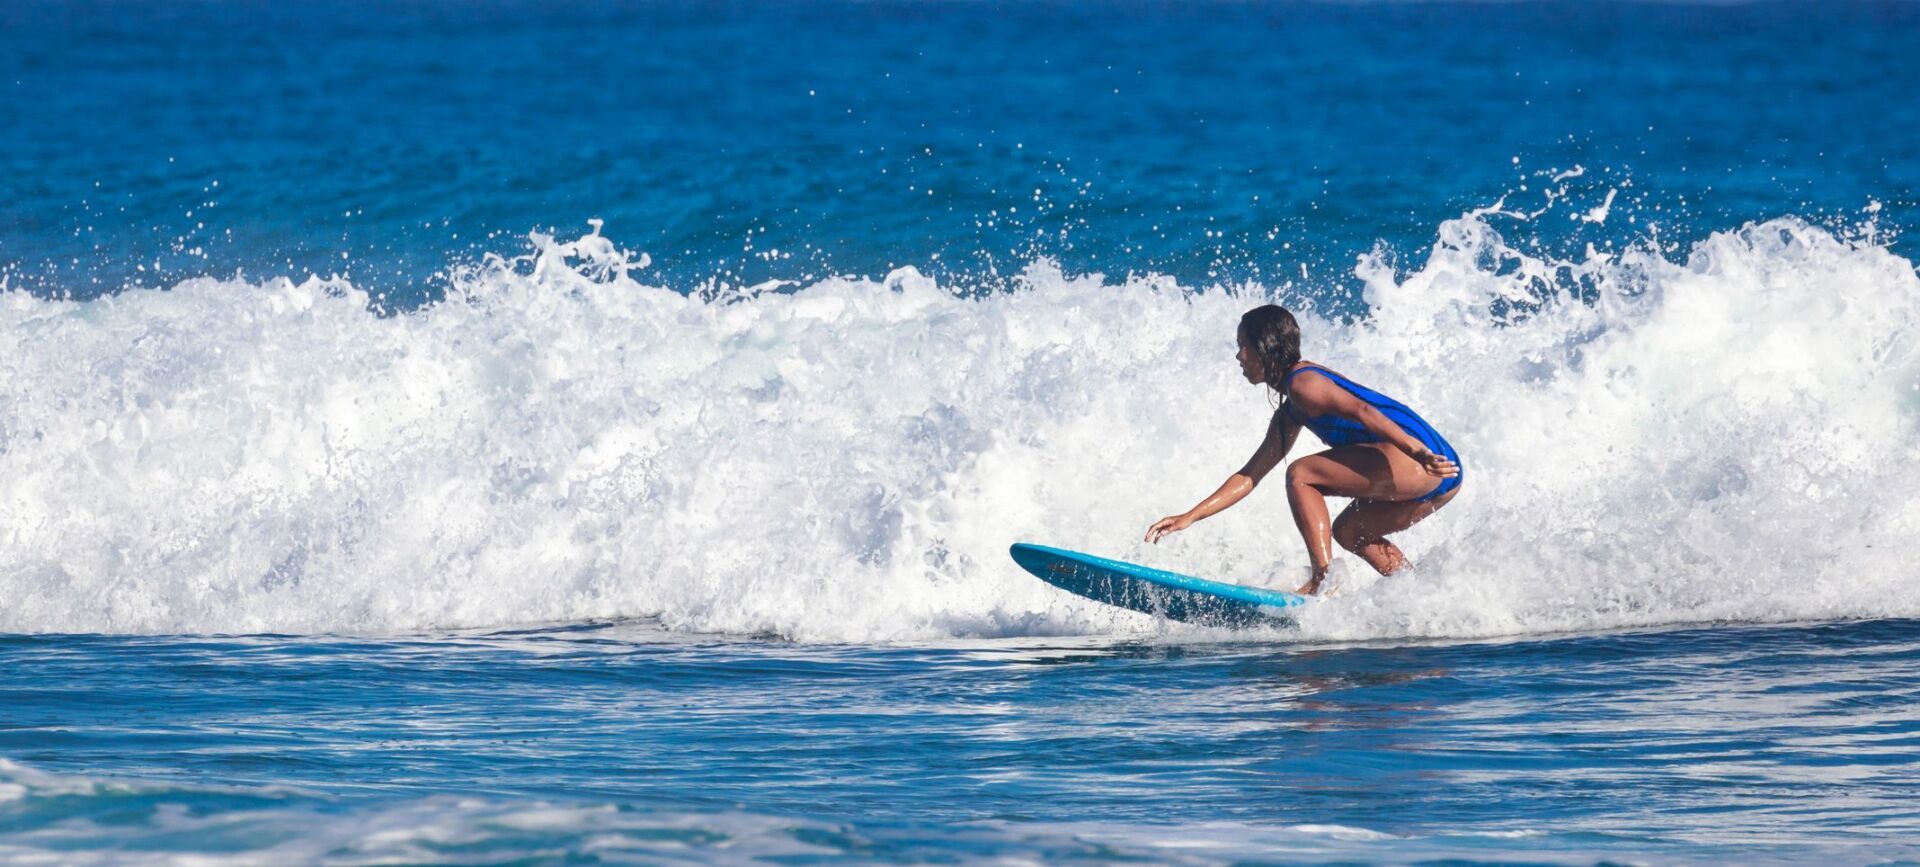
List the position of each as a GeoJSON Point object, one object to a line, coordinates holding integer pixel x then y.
{"type": "Point", "coordinates": [1395, 466]}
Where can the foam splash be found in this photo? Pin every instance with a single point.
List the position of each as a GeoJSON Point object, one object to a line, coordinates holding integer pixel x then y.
{"type": "Point", "coordinates": [1648, 441]}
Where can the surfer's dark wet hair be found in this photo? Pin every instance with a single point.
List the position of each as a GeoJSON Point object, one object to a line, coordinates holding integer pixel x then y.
{"type": "Point", "coordinates": [1275, 339]}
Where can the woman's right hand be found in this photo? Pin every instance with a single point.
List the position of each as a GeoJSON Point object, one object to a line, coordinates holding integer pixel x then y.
{"type": "Point", "coordinates": [1168, 526]}
{"type": "Point", "coordinates": [1436, 465]}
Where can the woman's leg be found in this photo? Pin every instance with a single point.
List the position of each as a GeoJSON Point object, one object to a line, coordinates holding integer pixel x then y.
{"type": "Point", "coordinates": [1363, 527]}
{"type": "Point", "coordinates": [1375, 471]}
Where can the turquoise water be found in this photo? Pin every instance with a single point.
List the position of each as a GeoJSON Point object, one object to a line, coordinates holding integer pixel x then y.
{"type": "Point", "coordinates": [1755, 744]}
{"type": "Point", "coordinates": [556, 433]}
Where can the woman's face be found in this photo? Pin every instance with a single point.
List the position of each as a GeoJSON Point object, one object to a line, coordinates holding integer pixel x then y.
{"type": "Point", "coordinates": [1250, 366]}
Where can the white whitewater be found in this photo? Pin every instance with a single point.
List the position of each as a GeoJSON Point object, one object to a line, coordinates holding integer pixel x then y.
{"type": "Point", "coordinates": [1720, 433]}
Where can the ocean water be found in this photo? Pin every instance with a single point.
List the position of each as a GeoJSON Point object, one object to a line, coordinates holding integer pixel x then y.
{"type": "Point", "coordinates": [567, 433]}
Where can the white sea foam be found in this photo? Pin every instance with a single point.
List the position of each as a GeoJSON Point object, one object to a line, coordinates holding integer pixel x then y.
{"type": "Point", "coordinates": [1725, 437]}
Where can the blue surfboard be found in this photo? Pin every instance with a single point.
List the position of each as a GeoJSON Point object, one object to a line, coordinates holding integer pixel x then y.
{"type": "Point", "coordinates": [1154, 591]}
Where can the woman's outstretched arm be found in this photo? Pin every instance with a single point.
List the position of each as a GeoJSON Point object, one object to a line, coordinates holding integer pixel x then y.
{"type": "Point", "coordinates": [1281, 433]}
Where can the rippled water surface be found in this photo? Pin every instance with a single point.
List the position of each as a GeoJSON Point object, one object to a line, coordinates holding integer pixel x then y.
{"type": "Point", "coordinates": [752, 142]}
{"type": "Point", "coordinates": [1752, 742]}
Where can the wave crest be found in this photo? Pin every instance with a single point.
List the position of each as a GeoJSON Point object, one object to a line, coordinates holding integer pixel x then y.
{"type": "Point", "coordinates": [1650, 441]}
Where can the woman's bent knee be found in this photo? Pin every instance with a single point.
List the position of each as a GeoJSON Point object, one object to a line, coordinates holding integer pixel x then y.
{"type": "Point", "coordinates": [1345, 535]}
{"type": "Point", "coordinates": [1299, 474]}
{"type": "Point", "coordinates": [1350, 531]}
{"type": "Point", "coordinates": [1344, 530]}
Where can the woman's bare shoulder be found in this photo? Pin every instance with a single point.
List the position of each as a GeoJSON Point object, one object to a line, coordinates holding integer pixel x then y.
{"type": "Point", "coordinates": [1308, 386]}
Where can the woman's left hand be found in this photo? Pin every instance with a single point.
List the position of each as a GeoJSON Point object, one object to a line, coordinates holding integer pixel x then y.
{"type": "Point", "coordinates": [1436, 465]}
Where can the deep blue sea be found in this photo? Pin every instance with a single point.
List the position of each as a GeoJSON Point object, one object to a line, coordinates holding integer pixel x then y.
{"type": "Point", "coordinates": [505, 432]}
